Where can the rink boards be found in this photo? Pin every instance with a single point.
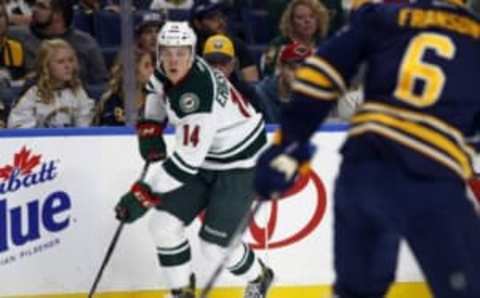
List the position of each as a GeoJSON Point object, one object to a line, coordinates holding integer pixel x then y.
{"type": "Point", "coordinates": [58, 189]}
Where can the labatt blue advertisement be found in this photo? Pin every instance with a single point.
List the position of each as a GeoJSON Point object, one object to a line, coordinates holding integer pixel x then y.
{"type": "Point", "coordinates": [30, 225]}
{"type": "Point", "coordinates": [58, 191]}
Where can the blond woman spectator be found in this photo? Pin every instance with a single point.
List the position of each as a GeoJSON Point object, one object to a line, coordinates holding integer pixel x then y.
{"type": "Point", "coordinates": [304, 22]}
{"type": "Point", "coordinates": [57, 98]}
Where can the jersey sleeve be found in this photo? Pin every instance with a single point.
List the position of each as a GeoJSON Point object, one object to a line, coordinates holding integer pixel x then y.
{"type": "Point", "coordinates": [22, 114]}
{"type": "Point", "coordinates": [193, 138]}
{"type": "Point", "coordinates": [325, 76]}
{"type": "Point", "coordinates": [155, 100]}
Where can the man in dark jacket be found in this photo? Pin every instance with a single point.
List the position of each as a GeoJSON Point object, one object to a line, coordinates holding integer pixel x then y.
{"type": "Point", "coordinates": [53, 19]}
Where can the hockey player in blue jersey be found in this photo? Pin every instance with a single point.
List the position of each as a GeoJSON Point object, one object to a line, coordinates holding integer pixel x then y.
{"type": "Point", "coordinates": [406, 158]}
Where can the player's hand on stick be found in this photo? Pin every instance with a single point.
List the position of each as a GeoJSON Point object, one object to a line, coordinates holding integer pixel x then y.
{"type": "Point", "coordinates": [150, 140]}
{"type": "Point", "coordinates": [135, 203]}
{"type": "Point", "coordinates": [279, 167]}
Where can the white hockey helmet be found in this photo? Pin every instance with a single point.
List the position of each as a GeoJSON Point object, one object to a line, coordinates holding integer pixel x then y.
{"type": "Point", "coordinates": [175, 34]}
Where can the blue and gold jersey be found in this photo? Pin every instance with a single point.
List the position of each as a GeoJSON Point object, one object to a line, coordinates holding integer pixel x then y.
{"type": "Point", "coordinates": [421, 84]}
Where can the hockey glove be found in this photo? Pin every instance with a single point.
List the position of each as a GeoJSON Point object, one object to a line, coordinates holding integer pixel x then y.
{"type": "Point", "coordinates": [135, 203]}
{"type": "Point", "coordinates": [150, 140]}
{"type": "Point", "coordinates": [279, 167]}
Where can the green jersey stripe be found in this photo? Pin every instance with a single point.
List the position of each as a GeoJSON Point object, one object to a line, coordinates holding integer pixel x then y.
{"type": "Point", "coordinates": [175, 171]}
{"type": "Point", "coordinates": [173, 250]}
{"type": "Point", "coordinates": [183, 164]}
{"type": "Point", "coordinates": [246, 153]}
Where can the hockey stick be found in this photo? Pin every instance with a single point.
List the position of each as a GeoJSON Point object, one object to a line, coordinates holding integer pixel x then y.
{"type": "Point", "coordinates": [112, 245]}
{"type": "Point", "coordinates": [236, 239]}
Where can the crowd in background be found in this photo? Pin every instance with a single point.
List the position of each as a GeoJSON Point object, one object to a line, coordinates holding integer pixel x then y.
{"type": "Point", "coordinates": [60, 68]}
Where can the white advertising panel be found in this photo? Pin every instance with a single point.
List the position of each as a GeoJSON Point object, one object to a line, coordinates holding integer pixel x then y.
{"type": "Point", "coordinates": [57, 195]}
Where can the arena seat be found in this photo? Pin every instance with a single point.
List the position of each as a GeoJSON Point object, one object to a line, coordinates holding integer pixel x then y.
{"type": "Point", "coordinates": [257, 27]}
{"type": "Point", "coordinates": [84, 22]}
{"type": "Point", "coordinates": [108, 28]}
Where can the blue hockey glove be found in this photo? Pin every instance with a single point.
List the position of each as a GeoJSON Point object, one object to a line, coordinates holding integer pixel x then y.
{"type": "Point", "coordinates": [135, 203]}
{"type": "Point", "coordinates": [278, 168]}
{"type": "Point", "coordinates": [150, 140]}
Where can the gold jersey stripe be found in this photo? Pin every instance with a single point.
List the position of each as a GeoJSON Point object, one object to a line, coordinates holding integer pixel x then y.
{"type": "Point", "coordinates": [329, 71]}
{"type": "Point", "coordinates": [308, 90]}
{"type": "Point", "coordinates": [313, 76]}
{"type": "Point", "coordinates": [411, 143]}
{"type": "Point", "coordinates": [439, 125]}
{"type": "Point", "coordinates": [425, 134]}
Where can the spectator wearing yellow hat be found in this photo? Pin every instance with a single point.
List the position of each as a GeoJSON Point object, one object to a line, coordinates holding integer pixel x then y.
{"type": "Point", "coordinates": [219, 52]}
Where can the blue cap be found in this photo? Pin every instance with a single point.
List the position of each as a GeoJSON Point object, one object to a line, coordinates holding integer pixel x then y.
{"type": "Point", "coordinates": [205, 9]}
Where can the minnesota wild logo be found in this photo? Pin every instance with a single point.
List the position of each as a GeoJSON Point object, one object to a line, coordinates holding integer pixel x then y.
{"type": "Point", "coordinates": [189, 102]}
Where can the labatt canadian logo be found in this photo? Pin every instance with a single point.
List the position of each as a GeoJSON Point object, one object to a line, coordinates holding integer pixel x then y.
{"type": "Point", "coordinates": [23, 221]}
{"type": "Point", "coordinates": [22, 174]}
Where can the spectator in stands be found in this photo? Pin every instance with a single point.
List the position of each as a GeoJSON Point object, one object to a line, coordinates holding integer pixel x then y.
{"type": "Point", "coordinates": [19, 11]}
{"type": "Point", "coordinates": [111, 108]}
{"type": "Point", "coordinates": [88, 6]}
{"type": "Point", "coordinates": [146, 32]}
{"type": "Point", "coordinates": [53, 19]}
{"type": "Point", "coordinates": [138, 4]}
{"type": "Point", "coordinates": [303, 21]}
{"type": "Point", "coordinates": [12, 55]}
{"type": "Point", "coordinates": [3, 115]}
{"type": "Point", "coordinates": [219, 52]}
{"type": "Point", "coordinates": [57, 98]}
{"type": "Point", "coordinates": [208, 19]}
{"type": "Point", "coordinates": [336, 12]}
{"type": "Point", "coordinates": [168, 4]}
{"type": "Point", "coordinates": [92, 6]}
{"type": "Point", "coordinates": [274, 90]}
{"type": "Point", "coordinates": [337, 15]}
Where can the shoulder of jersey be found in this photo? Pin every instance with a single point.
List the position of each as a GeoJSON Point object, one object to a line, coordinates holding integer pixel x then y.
{"type": "Point", "coordinates": [198, 94]}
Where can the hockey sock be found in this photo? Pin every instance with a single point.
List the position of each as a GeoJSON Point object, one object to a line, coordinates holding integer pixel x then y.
{"type": "Point", "coordinates": [175, 262]}
{"type": "Point", "coordinates": [244, 263]}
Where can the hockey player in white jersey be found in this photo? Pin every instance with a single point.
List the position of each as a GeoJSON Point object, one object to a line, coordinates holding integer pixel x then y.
{"type": "Point", "coordinates": [218, 136]}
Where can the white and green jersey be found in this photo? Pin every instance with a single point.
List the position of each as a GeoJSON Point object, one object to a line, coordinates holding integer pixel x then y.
{"type": "Point", "coordinates": [215, 127]}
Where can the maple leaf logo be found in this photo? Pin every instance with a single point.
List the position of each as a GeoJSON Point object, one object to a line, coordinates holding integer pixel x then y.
{"type": "Point", "coordinates": [23, 161]}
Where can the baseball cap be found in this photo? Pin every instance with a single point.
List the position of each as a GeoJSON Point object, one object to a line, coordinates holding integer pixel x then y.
{"type": "Point", "coordinates": [148, 20]}
{"type": "Point", "coordinates": [206, 9]}
{"type": "Point", "coordinates": [294, 52]}
{"type": "Point", "coordinates": [218, 48]}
